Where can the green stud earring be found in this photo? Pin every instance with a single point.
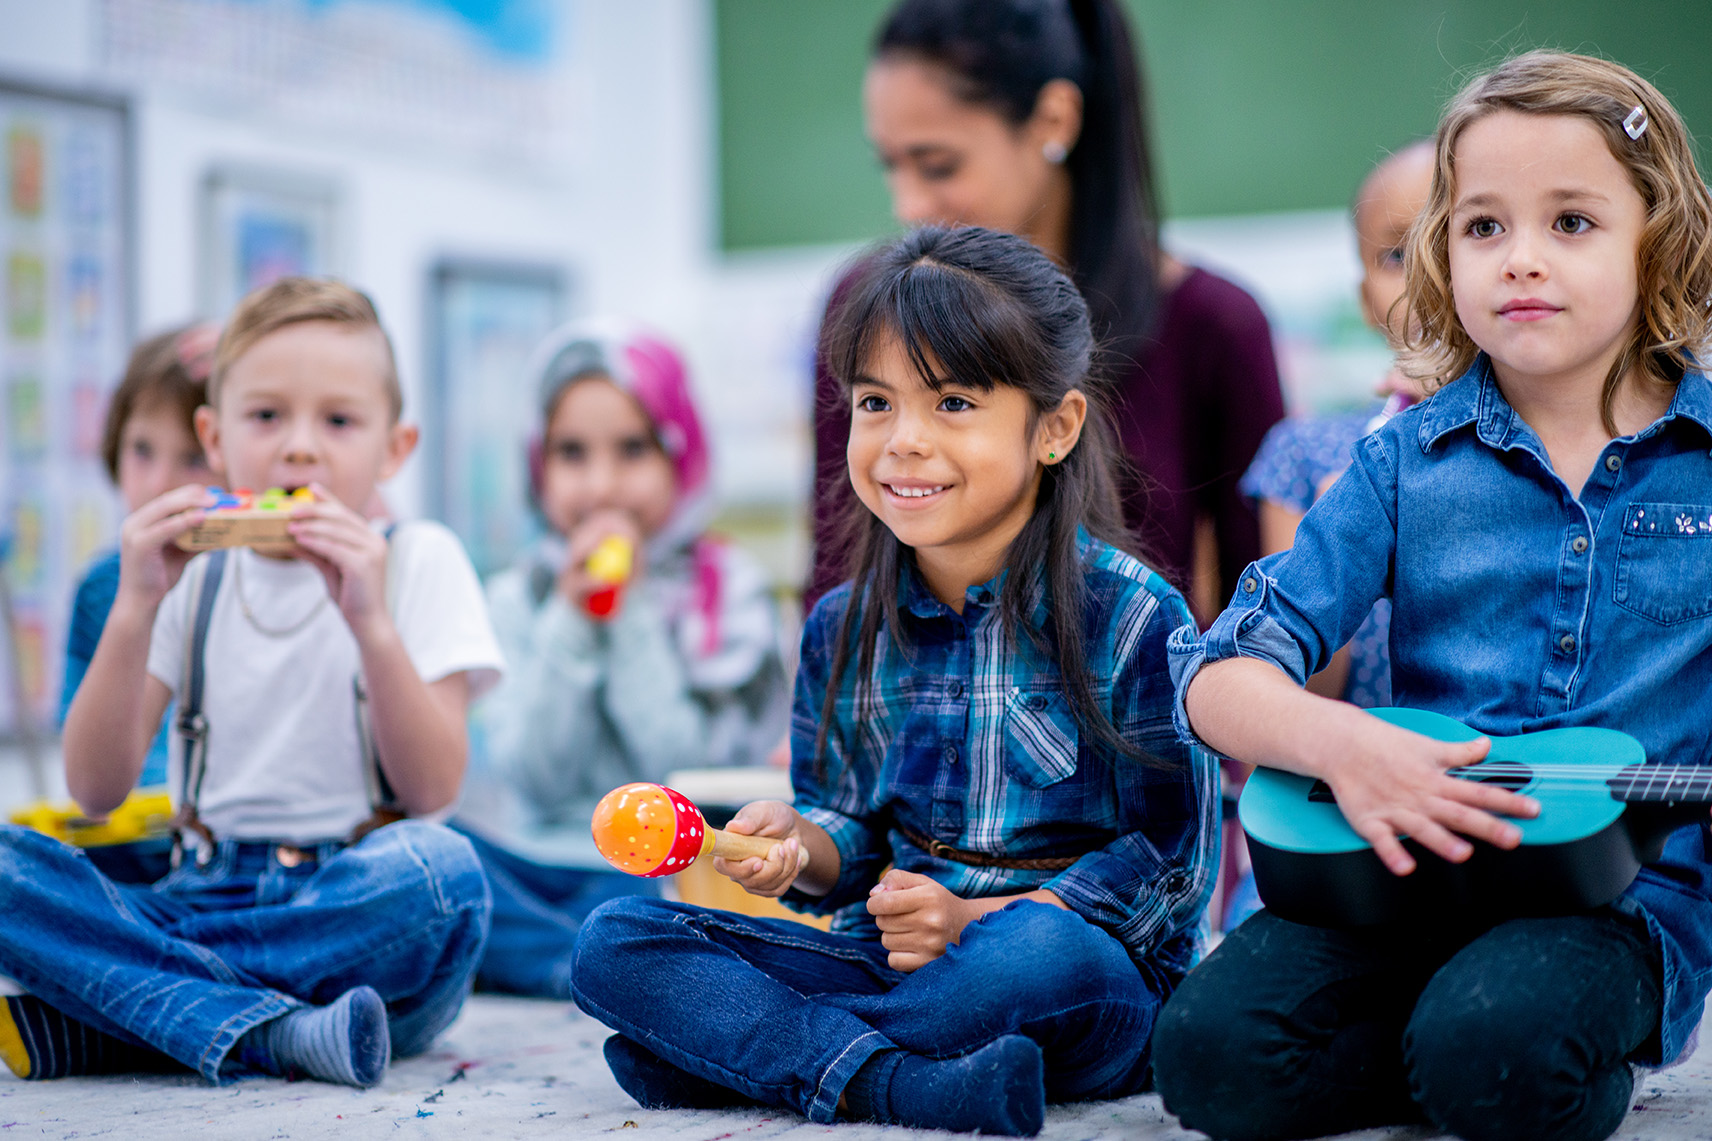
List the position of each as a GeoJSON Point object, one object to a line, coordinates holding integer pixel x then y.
{"type": "Point", "coordinates": [1051, 455]}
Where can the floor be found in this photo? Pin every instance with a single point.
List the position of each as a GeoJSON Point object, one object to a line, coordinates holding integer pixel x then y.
{"type": "Point", "coordinates": [519, 1068]}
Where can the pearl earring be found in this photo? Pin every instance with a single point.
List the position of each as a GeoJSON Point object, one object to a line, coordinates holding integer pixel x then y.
{"type": "Point", "coordinates": [1054, 152]}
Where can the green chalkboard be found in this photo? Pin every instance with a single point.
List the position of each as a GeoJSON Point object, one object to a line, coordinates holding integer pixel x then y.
{"type": "Point", "coordinates": [1256, 105]}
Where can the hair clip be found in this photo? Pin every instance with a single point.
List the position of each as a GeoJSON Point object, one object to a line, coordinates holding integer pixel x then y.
{"type": "Point", "coordinates": [1635, 125]}
{"type": "Point", "coordinates": [195, 349]}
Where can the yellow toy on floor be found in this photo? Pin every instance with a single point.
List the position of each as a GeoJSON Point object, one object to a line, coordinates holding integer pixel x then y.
{"type": "Point", "coordinates": [145, 814]}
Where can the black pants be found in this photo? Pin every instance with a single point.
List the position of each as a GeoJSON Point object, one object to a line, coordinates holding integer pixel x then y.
{"type": "Point", "coordinates": [1520, 1031]}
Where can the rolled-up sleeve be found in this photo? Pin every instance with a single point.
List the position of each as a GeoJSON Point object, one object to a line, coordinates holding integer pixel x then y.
{"type": "Point", "coordinates": [1153, 881]}
{"type": "Point", "coordinates": [1296, 608]}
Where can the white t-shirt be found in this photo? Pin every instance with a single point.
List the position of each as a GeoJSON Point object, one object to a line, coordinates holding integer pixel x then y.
{"type": "Point", "coordinates": [284, 759]}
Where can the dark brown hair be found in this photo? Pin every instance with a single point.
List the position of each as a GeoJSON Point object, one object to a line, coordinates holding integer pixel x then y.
{"type": "Point", "coordinates": [987, 309]}
{"type": "Point", "coordinates": [999, 54]}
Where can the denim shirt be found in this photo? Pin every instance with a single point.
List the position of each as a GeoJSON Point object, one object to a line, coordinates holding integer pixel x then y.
{"type": "Point", "coordinates": [1517, 606]}
{"type": "Point", "coordinates": [968, 738]}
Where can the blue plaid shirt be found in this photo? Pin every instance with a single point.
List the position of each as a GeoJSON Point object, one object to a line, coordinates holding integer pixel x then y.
{"type": "Point", "coordinates": [970, 739]}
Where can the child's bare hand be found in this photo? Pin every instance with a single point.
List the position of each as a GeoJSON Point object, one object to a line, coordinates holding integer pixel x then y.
{"type": "Point", "coordinates": [595, 528]}
{"type": "Point", "coordinates": [350, 555]}
{"type": "Point", "coordinates": [150, 562]}
{"type": "Point", "coordinates": [774, 875]}
{"type": "Point", "coordinates": [1392, 783]}
{"type": "Point", "coordinates": [918, 918]}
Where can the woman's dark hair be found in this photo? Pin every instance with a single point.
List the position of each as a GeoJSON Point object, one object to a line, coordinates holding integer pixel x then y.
{"type": "Point", "coordinates": [999, 54]}
{"type": "Point", "coordinates": [982, 308]}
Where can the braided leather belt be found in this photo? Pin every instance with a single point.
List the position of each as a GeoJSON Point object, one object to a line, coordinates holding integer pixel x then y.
{"type": "Point", "coordinates": [940, 850]}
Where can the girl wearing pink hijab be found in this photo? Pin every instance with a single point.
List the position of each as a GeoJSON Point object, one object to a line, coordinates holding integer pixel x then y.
{"type": "Point", "coordinates": [675, 665]}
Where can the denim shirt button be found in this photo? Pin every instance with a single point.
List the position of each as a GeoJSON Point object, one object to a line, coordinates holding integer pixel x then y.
{"type": "Point", "coordinates": [1579, 544]}
{"type": "Point", "coordinates": [1249, 585]}
{"type": "Point", "coordinates": [1612, 463]}
{"type": "Point", "coordinates": [1567, 643]}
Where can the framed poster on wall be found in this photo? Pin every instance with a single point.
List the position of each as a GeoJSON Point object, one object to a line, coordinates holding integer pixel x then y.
{"type": "Point", "coordinates": [485, 319]}
{"type": "Point", "coordinates": [260, 225]}
{"type": "Point", "coordinates": [66, 264]}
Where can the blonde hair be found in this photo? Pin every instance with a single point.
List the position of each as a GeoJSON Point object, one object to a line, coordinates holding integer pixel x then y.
{"type": "Point", "coordinates": [292, 301]}
{"type": "Point", "coordinates": [1673, 264]}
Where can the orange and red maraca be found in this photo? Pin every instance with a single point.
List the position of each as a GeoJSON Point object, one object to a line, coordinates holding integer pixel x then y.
{"type": "Point", "coordinates": [651, 830]}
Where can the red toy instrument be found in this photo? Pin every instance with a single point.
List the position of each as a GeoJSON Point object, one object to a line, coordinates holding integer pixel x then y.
{"type": "Point", "coordinates": [651, 830]}
{"type": "Point", "coordinates": [609, 567]}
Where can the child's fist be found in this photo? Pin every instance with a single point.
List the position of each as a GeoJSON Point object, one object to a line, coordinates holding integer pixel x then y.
{"type": "Point", "coordinates": [918, 918]}
{"type": "Point", "coordinates": [773, 875]}
{"type": "Point", "coordinates": [575, 581]}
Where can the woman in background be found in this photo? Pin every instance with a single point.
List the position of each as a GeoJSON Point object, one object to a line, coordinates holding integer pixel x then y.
{"type": "Point", "coordinates": [1026, 116]}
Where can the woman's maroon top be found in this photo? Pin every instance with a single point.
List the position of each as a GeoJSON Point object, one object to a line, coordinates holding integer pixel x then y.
{"type": "Point", "coordinates": [1190, 412]}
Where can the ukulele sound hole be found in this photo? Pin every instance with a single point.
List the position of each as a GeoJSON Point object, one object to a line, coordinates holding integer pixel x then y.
{"type": "Point", "coordinates": [1510, 778]}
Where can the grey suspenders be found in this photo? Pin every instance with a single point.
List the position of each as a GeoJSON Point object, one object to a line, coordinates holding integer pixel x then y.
{"type": "Point", "coordinates": [192, 724]}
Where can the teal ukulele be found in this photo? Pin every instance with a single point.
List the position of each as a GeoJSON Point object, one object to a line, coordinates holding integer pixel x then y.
{"type": "Point", "coordinates": [1603, 813]}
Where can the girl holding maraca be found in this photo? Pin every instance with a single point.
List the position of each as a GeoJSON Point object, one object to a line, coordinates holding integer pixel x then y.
{"type": "Point", "coordinates": [986, 709]}
{"type": "Point", "coordinates": [636, 643]}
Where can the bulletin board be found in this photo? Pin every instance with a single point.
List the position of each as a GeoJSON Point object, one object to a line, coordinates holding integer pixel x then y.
{"type": "Point", "coordinates": [65, 324]}
{"type": "Point", "coordinates": [485, 320]}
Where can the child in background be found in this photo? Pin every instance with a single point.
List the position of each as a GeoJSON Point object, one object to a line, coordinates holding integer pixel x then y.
{"type": "Point", "coordinates": [298, 934]}
{"type": "Point", "coordinates": [150, 447]}
{"type": "Point", "coordinates": [677, 668]}
{"type": "Point", "coordinates": [1540, 527]}
{"type": "Point", "coordinates": [985, 712]}
{"type": "Point", "coordinates": [1303, 455]}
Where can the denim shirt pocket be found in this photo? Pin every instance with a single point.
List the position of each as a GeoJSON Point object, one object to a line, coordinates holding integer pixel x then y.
{"type": "Point", "coordinates": [1040, 736]}
{"type": "Point", "coordinates": [1664, 562]}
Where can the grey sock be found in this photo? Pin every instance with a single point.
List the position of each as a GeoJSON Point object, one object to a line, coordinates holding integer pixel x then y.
{"type": "Point", "coordinates": [345, 1042]}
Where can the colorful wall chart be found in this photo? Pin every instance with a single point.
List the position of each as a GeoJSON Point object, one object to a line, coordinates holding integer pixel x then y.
{"type": "Point", "coordinates": [65, 324]}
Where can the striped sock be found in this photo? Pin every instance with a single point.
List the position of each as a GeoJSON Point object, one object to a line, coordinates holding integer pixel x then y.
{"type": "Point", "coordinates": [346, 1041]}
{"type": "Point", "coordinates": [37, 1042]}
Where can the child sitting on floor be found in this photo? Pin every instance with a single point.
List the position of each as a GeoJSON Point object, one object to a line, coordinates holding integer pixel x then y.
{"type": "Point", "coordinates": [1540, 525]}
{"type": "Point", "coordinates": [683, 672]}
{"type": "Point", "coordinates": [321, 695]}
{"type": "Point", "coordinates": [989, 795]}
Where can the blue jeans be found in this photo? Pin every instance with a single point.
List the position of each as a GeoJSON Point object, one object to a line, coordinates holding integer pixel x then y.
{"type": "Point", "coordinates": [191, 964]}
{"type": "Point", "coordinates": [786, 1014]}
{"type": "Point", "coordinates": [537, 912]}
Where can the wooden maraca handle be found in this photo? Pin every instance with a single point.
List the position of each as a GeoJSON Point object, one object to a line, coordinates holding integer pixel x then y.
{"type": "Point", "coordinates": [733, 846]}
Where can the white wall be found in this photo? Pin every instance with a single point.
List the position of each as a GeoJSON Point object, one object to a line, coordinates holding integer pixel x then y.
{"type": "Point", "coordinates": [627, 211]}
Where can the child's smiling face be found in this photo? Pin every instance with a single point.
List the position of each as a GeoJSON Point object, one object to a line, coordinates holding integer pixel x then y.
{"type": "Point", "coordinates": [308, 403]}
{"type": "Point", "coordinates": [1545, 227]}
{"type": "Point", "coordinates": [952, 472]}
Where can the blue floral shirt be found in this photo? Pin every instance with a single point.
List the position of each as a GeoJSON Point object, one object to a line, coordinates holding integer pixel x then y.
{"type": "Point", "coordinates": [1294, 459]}
{"type": "Point", "coordinates": [969, 738]}
{"type": "Point", "coordinates": [1519, 606]}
